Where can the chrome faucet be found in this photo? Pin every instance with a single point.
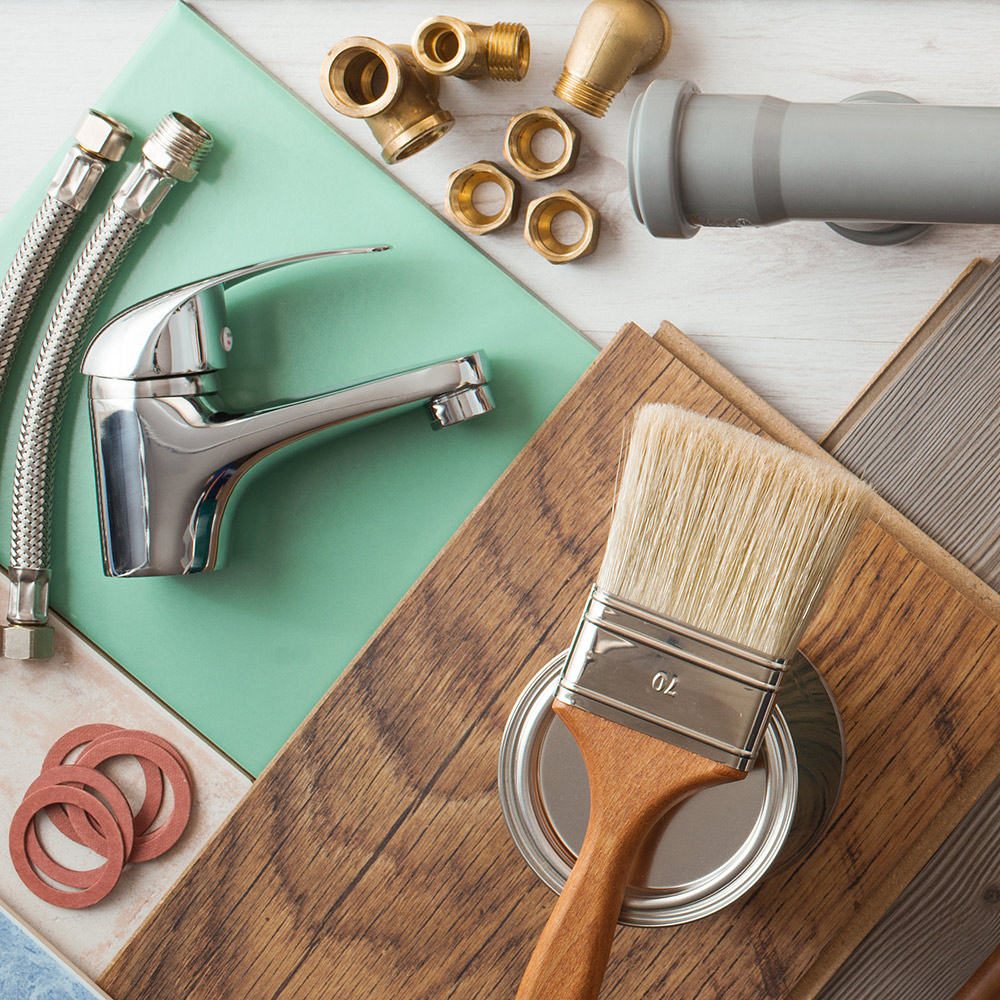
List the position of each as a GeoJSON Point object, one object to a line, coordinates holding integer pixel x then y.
{"type": "Point", "coordinates": [167, 452]}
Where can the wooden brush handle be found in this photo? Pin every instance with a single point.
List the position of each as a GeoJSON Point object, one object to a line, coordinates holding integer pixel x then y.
{"type": "Point", "coordinates": [634, 780]}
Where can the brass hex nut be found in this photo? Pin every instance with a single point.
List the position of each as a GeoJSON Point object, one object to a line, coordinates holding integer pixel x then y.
{"type": "Point", "coordinates": [538, 226]}
{"type": "Point", "coordinates": [462, 186]}
{"type": "Point", "coordinates": [522, 130]}
{"type": "Point", "coordinates": [102, 135]}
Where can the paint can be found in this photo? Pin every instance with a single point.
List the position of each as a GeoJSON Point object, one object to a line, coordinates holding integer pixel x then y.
{"type": "Point", "coordinates": [711, 849]}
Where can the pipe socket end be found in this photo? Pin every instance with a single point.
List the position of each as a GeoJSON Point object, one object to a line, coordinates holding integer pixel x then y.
{"type": "Point", "coordinates": [28, 642]}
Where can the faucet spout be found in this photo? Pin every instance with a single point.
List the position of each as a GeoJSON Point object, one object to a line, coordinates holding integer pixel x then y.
{"type": "Point", "coordinates": [168, 454]}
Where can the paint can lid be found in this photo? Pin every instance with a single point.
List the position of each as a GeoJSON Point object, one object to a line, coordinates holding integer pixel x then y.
{"type": "Point", "coordinates": [707, 852]}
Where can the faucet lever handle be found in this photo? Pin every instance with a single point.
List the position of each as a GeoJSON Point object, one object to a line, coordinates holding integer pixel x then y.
{"type": "Point", "coordinates": [181, 331]}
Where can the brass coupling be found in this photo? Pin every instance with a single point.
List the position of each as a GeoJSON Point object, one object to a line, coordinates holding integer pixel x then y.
{"type": "Point", "coordinates": [384, 85]}
{"type": "Point", "coordinates": [460, 197]}
{"type": "Point", "coordinates": [446, 46]}
{"type": "Point", "coordinates": [539, 227]}
{"type": "Point", "coordinates": [614, 39]}
{"type": "Point", "coordinates": [521, 133]}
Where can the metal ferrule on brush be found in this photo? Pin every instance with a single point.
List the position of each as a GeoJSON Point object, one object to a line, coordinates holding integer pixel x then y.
{"type": "Point", "coordinates": [670, 680]}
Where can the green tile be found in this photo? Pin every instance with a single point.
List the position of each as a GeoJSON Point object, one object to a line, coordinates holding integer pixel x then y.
{"type": "Point", "coordinates": [324, 537]}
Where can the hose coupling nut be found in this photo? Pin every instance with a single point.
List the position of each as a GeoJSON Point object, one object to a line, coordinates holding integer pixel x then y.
{"type": "Point", "coordinates": [614, 39]}
{"type": "Point", "coordinates": [386, 87]}
{"type": "Point", "coordinates": [539, 232]}
{"type": "Point", "coordinates": [28, 636]}
{"type": "Point", "coordinates": [99, 140]}
{"type": "Point", "coordinates": [28, 642]}
{"type": "Point", "coordinates": [102, 136]}
{"type": "Point", "coordinates": [461, 193]}
{"type": "Point", "coordinates": [446, 46]}
{"type": "Point", "coordinates": [521, 132]}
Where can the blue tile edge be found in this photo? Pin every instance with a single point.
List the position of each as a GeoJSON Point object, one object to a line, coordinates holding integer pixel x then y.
{"type": "Point", "coordinates": [31, 970]}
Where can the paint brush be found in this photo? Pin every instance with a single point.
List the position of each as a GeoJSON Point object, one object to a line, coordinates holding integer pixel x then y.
{"type": "Point", "coordinates": [721, 546]}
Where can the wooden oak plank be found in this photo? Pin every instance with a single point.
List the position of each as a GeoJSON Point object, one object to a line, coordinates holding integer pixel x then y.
{"type": "Point", "coordinates": [371, 858]}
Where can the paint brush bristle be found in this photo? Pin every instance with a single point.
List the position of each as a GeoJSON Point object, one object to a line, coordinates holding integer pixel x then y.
{"type": "Point", "coordinates": [725, 530]}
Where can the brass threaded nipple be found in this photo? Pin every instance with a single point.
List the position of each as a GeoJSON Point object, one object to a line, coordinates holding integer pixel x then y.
{"type": "Point", "coordinates": [586, 96]}
{"type": "Point", "coordinates": [508, 51]}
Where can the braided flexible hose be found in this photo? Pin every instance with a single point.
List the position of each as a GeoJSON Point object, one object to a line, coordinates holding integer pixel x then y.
{"type": "Point", "coordinates": [32, 264]}
{"type": "Point", "coordinates": [31, 517]}
{"type": "Point", "coordinates": [173, 152]}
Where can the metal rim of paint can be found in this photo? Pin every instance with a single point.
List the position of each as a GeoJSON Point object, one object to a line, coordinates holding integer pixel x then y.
{"type": "Point", "coordinates": [780, 809]}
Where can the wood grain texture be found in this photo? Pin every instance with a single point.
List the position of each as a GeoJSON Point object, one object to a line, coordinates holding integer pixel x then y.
{"type": "Point", "coordinates": [634, 780]}
{"type": "Point", "coordinates": [941, 927]}
{"type": "Point", "coordinates": [984, 984]}
{"type": "Point", "coordinates": [371, 858]}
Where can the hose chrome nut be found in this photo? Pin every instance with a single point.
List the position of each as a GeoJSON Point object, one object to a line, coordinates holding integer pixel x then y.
{"type": "Point", "coordinates": [460, 197]}
{"type": "Point", "coordinates": [538, 231]}
{"type": "Point", "coordinates": [28, 642]}
{"type": "Point", "coordinates": [615, 38]}
{"type": "Point", "coordinates": [102, 135]}
{"type": "Point", "coordinates": [386, 87]}
{"type": "Point", "coordinates": [521, 132]}
{"type": "Point", "coordinates": [446, 46]}
{"type": "Point", "coordinates": [99, 140]}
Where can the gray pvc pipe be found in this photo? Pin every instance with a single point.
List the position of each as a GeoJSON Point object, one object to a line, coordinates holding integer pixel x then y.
{"type": "Point", "coordinates": [721, 160]}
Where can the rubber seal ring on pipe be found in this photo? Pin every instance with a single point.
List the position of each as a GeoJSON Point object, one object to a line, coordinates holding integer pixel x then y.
{"type": "Point", "coordinates": [880, 234]}
{"type": "Point", "coordinates": [105, 877]}
{"type": "Point", "coordinates": [651, 155]}
{"type": "Point", "coordinates": [87, 835]}
{"type": "Point", "coordinates": [80, 737]}
{"type": "Point", "coordinates": [150, 844]}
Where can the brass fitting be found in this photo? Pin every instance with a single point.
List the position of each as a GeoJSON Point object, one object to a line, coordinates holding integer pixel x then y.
{"type": "Point", "coordinates": [521, 132]}
{"type": "Point", "coordinates": [364, 78]}
{"type": "Point", "coordinates": [462, 187]}
{"type": "Point", "coordinates": [446, 46]}
{"type": "Point", "coordinates": [615, 38]}
{"type": "Point", "coordinates": [538, 226]}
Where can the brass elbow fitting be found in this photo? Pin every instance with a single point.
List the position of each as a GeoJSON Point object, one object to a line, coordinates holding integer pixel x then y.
{"type": "Point", "coordinates": [446, 46]}
{"type": "Point", "coordinates": [364, 78]}
{"type": "Point", "coordinates": [615, 38]}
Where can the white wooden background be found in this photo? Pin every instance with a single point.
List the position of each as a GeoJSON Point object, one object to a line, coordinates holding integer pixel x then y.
{"type": "Point", "coordinates": [804, 316]}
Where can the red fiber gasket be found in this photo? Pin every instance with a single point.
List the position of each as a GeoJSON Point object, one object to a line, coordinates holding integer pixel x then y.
{"type": "Point", "coordinates": [88, 836]}
{"type": "Point", "coordinates": [152, 738]}
{"type": "Point", "coordinates": [148, 845]}
{"type": "Point", "coordinates": [79, 821]}
{"type": "Point", "coordinates": [81, 736]}
{"type": "Point", "coordinates": [105, 877]}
